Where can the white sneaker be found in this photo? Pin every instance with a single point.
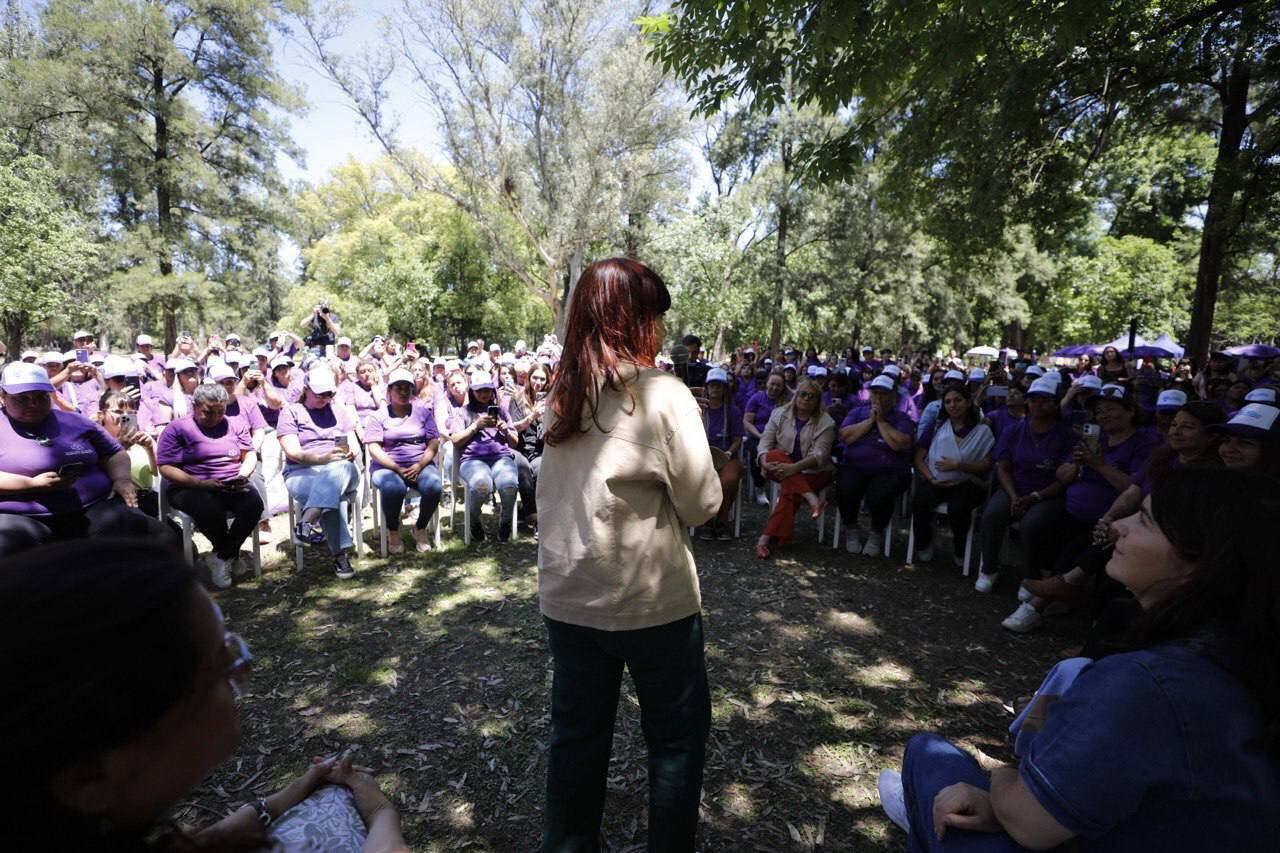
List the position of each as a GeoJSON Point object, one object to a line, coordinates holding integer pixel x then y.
{"type": "Point", "coordinates": [1024, 620]}
{"type": "Point", "coordinates": [985, 582]}
{"type": "Point", "coordinates": [875, 545]}
{"type": "Point", "coordinates": [762, 498]}
{"type": "Point", "coordinates": [1024, 594]}
{"type": "Point", "coordinates": [925, 554]}
{"type": "Point", "coordinates": [892, 798]}
{"type": "Point", "coordinates": [219, 570]}
{"type": "Point", "coordinates": [853, 540]}
{"type": "Point", "coordinates": [240, 568]}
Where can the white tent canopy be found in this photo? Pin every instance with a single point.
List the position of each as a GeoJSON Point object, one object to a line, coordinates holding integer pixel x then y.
{"type": "Point", "coordinates": [982, 352]}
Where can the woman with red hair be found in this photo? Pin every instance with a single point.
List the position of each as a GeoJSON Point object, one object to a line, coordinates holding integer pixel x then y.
{"type": "Point", "coordinates": [627, 471]}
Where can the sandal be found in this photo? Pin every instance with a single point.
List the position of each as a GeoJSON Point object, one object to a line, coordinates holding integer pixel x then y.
{"type": "Point", "coordinates": [308, 533]}
{"type": "Point", "coordinates": [816, 511]}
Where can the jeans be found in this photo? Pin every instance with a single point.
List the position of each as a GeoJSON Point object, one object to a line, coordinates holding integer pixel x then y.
{"type": "Point", "coordinates": [961, 501]}
{"type": "Point", "coordinates": [209, 510]}
{"type": "Point", "coordinates": [670, 677]}
{"type": "Point", "coordinates": [1037, 531]}
{"type": "Point", "coordinates": [325, 487]}
{"type": "Point", "coordinates": [483, 477]}
{"type": "Point", "coordinates": [392, 489]}
{"type": "Point", "coordinates": [110, 517]}
{"type": "Point", "coordinates": [931, 764]}
{"type": "Point", "coordinates": [879, 488]}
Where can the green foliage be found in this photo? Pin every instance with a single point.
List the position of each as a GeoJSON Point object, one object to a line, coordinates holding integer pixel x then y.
{"type": "Point", "coordinates": [46, 249]}
{"type": "Point", "coordinates": [406, 261]}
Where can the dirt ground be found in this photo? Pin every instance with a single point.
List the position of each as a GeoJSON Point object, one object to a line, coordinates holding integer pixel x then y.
{"type": "Point", "coordinates": [434, 669]}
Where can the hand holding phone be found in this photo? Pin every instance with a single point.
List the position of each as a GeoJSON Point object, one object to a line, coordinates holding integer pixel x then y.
{"type": "Point", "coordinates": [71, 472]}
{"type": "Point", "coordinates": [494, 412]}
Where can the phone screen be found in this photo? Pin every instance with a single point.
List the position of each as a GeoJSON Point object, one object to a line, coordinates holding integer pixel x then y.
{"type": "Point", "coordinates": [494, 412]}
{"type": "Point", "coordinates": [82, 356]}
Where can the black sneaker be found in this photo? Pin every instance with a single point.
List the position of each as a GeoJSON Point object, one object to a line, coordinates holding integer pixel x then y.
{"type": "Point", "coordinates": [707, 532]}
{"type": "Point", "coordinates": [477, 532]}
{"type": "Point", "coordinates": [504, 532]}
{"type": "Point", "coordinates": [725, 533]}
{"type": "Point", "coordinates": [342, 567]}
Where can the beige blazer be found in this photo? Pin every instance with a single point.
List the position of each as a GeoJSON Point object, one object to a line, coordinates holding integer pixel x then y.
{"type": "Point", "coordinates": [816, 439]}
{"type": "Point", "coordinates": [615, 504]}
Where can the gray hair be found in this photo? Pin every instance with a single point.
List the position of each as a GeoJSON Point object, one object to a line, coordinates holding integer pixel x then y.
{"type": "Point", "coordinates": [210, 392]}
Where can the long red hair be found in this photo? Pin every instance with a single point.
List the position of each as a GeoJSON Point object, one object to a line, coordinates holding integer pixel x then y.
{"type": "Point", "coordinates": [614, 316]}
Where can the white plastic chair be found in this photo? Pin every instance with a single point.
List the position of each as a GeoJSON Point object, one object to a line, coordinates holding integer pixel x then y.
{"type": "Point", "coordinates": [943, 509]}
{"type": "Point", "coordinates": [899, 512]}
{"type": "Point", "coordinates": [413, 497]}
{"type": "Point", "coordinates": [460, 485]}
{"type": "Point", "coordinates": [355, 518]}
{"type": "Point", "coordinates": [168, 512]}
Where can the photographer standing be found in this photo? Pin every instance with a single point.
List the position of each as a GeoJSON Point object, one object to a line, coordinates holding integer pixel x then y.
{"type": "Point", "coordinates": [324, 327]}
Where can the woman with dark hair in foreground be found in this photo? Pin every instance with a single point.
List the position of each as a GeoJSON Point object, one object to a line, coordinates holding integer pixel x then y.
{"type": "Point", "coordinates": [120, 684]}
{"type": "Point", "coordinates": [628, 470]}
{"type": "Point", "coordinates": [1173, 745]}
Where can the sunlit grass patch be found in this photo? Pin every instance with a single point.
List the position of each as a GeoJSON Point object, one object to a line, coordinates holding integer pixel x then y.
{"type": "Point", "coordinates": [884, 674]}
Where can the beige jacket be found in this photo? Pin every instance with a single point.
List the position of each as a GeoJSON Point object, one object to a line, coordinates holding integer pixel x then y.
{"type": "Point", "coordinates": [614, 506]}
{"type": "Point", "coordinates": [816, 438]}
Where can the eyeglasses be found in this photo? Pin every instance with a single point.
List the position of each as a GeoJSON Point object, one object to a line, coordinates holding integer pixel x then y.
{"type": "Point", "coordinates": [327, 395]}
{"type": "Point", "coordinates": [806, 395]}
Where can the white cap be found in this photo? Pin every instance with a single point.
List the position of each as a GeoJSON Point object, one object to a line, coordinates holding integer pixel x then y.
{"type": "Point", "coordinates": [144, 341]}
{"type": "Point", "coordinates": [343, 342]}
{"type": "Point", "coordinates": [232, 337]}
{"type": "Point", "coordinates": [789, 367]}
{"type": "Point", "coordinates": [1255, 419]}
{"type": "Point", "coordinates": [69, 355]}
{"type": "Point", "coordinates": [953, 376]}
{"type": "Point", "coordinates": [320, 380]}
{"type": "Point", "coordinates": [97, 358]}
{"type": "Point", "coordinates": [116, 367]}
{"type": "Point", "coordinates": [495, 348]}
{"type": "Point", "coordinates": [1053, 376]}
{"type": "Point", "coordinates": [977, 375]}
{"type": "Point", "coordinates": [220, 370]}
{"type": "Point", "coordinates": [21, 377]}
{"type": "Point", "coordinates": [1171, 399]}
{"type": "Point", "coordinates": [892, 370]}
{"type": "Point", "coordinates": [281, 361]}
{"type": "Point", "coordinates": [82, 333]}
{"type": "Point", "coordinates": [399, 375]}
{"type": "Point", "coordinates": [1034, 370]}
{"type": "Point", "coordinates": [1089, 382]}
{"type": "Point", "coordinates": [521, 346]}
{"type": "Point", "coordinates": [1043, 386]}
{"type": "Point", "coordinates": [50, 357]}
{"type": "Point", "coordinates": [234, 358]}
{"type": "Point", "coordinates": [882, 383]}
{"type": "Point", "coordinates": [717, 374]}
{"type": "Point", "coordinates": [30, 353]}
{"type": "Point", "coordinates": [262, 352]}
{"type": "Point", "coordinates": [1113, 392]}
{"type": "Point", "coordinates": [819, 370]}
{"type": "Point", "coordinates": [177, 365]}
{"type": "Point", "coordinates": [1257, 395]}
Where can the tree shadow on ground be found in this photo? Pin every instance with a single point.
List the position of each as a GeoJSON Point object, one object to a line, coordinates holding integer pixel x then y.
{"type": "Point", "coordinates": [434, 669]}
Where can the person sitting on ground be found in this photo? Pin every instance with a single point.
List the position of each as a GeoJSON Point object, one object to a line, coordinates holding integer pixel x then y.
{"type": "Point", "coordinates": [117, 414]}
{"type": "Point", "coordinates": [795, 452]}
{"type": "Point", "coordinates": [1102, 467]}
{"type": "Point", "coordinates": [876, 465]}
{"type": "Point", "coordinates": [754, 420]}
{"type": "Point", "coordinates": [952, 462]}
{"type": "Point", "coordinates": [208, 460]}
{"type": "Point", "coordinates": [112, 743]}
{"type": "Point", "coordinates": [316, 437]}
{"type": "Point", "coordinates": [402, 442]}
{"type": "Point", "coordinates": [1251, 440]}
{"type": "Point", "coordinates": [486, 460]}
{"type": "Point", "coordinates": [1173, 744]}
{"type": "Point", "coordinates": [61, 475]}
{"type": "Point", "coordinates": [1027, 456]}
{"type": "Point", "coordinates": [724, 425]}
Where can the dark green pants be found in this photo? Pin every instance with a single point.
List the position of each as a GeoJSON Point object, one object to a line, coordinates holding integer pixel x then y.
{"type": "Point", "coordinates": [670, 677]}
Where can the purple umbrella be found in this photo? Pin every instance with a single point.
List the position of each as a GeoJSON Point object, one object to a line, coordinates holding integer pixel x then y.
{"type": "Point", "coordinates": [1150, 351]}
{"type": "Point", "coordinates": [1074, 351]}
{"type": "Point", "coordinates": [1253, 351]}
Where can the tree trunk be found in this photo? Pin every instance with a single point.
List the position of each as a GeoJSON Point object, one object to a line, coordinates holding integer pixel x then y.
{"type": "Point", "coordinates": [717, 349]}
{"type": "Point", "coordinates": [780, 262]}
{"type": "Point", "coordinates": [164, 203]}
{"type": "Point", "coordinates": [1222, 214]}
{"type": "Point", "coordinates": [14, 327]}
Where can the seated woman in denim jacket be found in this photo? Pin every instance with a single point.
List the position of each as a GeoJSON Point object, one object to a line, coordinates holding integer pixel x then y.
{"type": "Point", "coordinates": [1173, 745]}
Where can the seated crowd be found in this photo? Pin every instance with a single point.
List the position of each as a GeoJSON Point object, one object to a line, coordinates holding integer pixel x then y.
{"type": "Point", "coordinates": [1101, 472]}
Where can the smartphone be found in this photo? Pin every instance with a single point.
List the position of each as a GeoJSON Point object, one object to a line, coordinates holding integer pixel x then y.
{"type": "Point", "coordinates": [82, 356]}
{"type": "Point", "coordinates": [540, 396]}
{"type": "Point", "coordinates": [1092, 434]}
{"type": "Point", "coordinates": [342, 441]}
{"type": "Point", "coordinates": [128, 423]}
{"type": "Point", "coordinates": [71, 471]}
{"type": "Point", "coordinates": [494, 412]}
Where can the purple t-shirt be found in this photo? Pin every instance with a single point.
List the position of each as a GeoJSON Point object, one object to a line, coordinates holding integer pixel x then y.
{"type": "Point", "coordinates": [1034, 457]}
{"type": "Point", "coordinates": [88, 393]}
{"type": "Point", "coordinates": [1003, 420]}
{"type": "Point", "coordinates": [158, 389]}
{"type": "Point", "coordinates": [760, 407]}
{"type": "Point", "coordinates": [316, 429]}
{"type": "Point", "coordinates": [404, 439]}
{"type": "Point", "coordinates": [291, 393]}
{"type": "Point", "coordinates": [244, 411]}
{"type": "Point", "coordinates": [1091, 495]}
{"type": "Point", "coordinates": [488, 444]}
{"type": "Point", "coordinates": [206, 453]}
{"type": "Point", "coordinates": [907, 405]}
{"type": "Point", "coordinates": [743, 392]}
{"type": "Point", "coordinates": [73, 440]}
{"type": "Point", "coordinates": [360, 399]}
{"type": "Point", "coordinates": [717, 434]}
{"type": "Point", "coordinates": [871, 453]}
